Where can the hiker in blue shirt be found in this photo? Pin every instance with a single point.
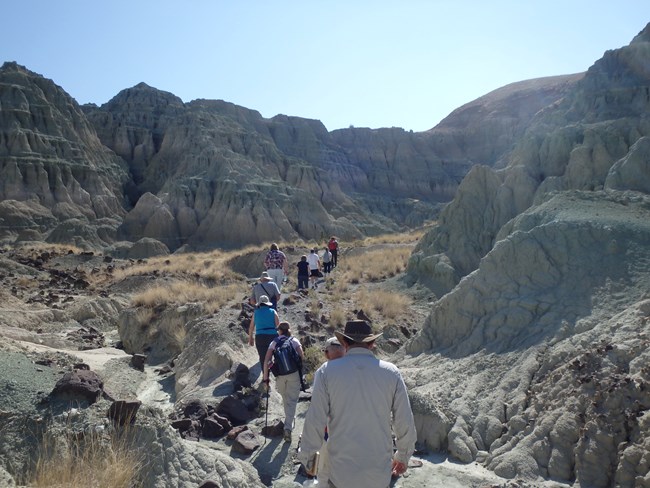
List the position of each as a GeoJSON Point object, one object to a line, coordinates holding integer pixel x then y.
{"type": "Point", "coordinates": [262, 329]}
{"type": "Point", "coordinates": [287, 384]}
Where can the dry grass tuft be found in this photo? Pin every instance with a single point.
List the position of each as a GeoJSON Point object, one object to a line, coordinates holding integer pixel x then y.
{"type": "Point", "coordinates": [389, 304]}
{"type": "Point", "coordinates": [180, 292]}
{"type": "Point", "coordinates": [88, 459]}
{"type": "Point", "coordinates": [209, 267]}
{"type": "Point", "coordinates": [313, 359]}
{"type": "Point", "coordinates": [374, 266]}
{"type": "Point", "coordinates": [338, 317]}
{"type": "Point", "coordinates": [402, 238]}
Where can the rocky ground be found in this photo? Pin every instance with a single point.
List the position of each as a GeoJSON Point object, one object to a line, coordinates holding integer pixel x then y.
{"type": "Point", "coordinates": [60, 310]}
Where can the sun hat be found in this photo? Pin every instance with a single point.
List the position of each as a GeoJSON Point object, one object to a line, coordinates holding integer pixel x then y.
{"type": "Point", "coordinates": [265, 276]}
{"type": "Point", "coordinates": [264, 300]}
{"type": "Point", "coordinates": [332, 341]}
{"type": "Point", "coordinates": [357, 331]}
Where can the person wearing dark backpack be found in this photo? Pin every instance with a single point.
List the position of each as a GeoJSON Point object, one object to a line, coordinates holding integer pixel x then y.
{"type": "Point", "coordinates": [286, 352]}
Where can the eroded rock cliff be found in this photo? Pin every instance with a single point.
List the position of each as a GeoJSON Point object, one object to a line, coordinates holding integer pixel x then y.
{"type": "Point", "coordinates": [539, 341]}
{"type": "Point", "coordinates": [53, 168]}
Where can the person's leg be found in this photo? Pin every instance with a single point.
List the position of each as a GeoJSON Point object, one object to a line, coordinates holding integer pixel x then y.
{"type": "Point", "coordinates": [289, 387]}
{"type": "Point", "coordinates": [277, 275]}
{"type": "Point", "coordinates": [303, 281]}
{"type": "Point", "coordinates": [262, 342]}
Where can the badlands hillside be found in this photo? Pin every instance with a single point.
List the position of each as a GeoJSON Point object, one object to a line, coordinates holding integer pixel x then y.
{"type": "Point", "coordinates": [520, 320]}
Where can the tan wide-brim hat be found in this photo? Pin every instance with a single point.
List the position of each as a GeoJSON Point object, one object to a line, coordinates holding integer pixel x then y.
{"type": "Point", "coordinates": [265, 276]}
{"type": "Point", "coordinates": [357, 331]}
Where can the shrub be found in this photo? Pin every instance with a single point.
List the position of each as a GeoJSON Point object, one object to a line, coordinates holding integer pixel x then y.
{"type": "Point", "coordinates": [180, 292]}
{"type": "Point", "coordinates": [313, 359]}
{"type": "Point", "coordinates": [89, 458]}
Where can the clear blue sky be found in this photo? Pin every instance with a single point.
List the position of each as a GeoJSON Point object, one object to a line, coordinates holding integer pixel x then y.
{"type": "Point", "coordinates": [404, 63]}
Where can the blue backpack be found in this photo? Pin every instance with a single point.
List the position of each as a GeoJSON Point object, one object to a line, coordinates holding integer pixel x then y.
{"type": "Point", "coordinates": [285, 357]}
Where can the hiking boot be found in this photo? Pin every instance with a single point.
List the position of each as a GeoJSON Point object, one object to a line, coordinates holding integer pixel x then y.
{"type": "Point", "coordinates": [287, 435]}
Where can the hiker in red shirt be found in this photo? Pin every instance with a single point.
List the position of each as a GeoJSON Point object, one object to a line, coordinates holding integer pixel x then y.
{"type": "Point", "coordinates": [333, 246]}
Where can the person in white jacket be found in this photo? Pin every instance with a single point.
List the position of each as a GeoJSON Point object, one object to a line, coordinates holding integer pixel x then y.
{"type": "Point", "coordinates": [363, 401]}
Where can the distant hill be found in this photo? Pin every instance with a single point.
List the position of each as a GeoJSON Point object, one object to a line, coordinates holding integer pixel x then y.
{"type": "Point", "coordinates": [209, 173]}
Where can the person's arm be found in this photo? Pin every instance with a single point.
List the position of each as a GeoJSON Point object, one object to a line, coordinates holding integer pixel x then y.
{"type": "Point", "coordinates": [403, 427]}
{"type": "Point", "coordinates": [295, 343]}
{"type": "Point", "coordinates": [251, 332]}
{"type": "Point", "coordinates": [277, 293]}
{"type": "Point", "coordinates": [315, 420]}
{"type": "Point", "coordinates": [277, 319]}
{"type": "Point", "coordinates": [267, 360]}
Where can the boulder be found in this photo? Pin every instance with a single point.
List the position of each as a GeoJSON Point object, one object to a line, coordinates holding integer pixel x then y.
{"type": "Point", "coordinates": [79, 385]}
{"type": "Point", "coordinates": [124, 412]}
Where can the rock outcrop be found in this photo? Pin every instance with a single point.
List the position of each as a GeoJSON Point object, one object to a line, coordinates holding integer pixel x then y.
{"type": "Point", "coordinates": [209, 173]}
{"type": "Point", "coordinates": [53, 168]}
{"type": "Point", "coordinates": [571, 144]}
{"type": "Point", "coordinates": [540, 354]}
{"type": "Point", "coordinates": [539, 341]}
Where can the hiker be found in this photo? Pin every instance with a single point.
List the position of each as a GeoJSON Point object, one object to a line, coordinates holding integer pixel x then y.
{"type": "Point", "coordinates": [333, 246]}
{"type": "Point", "coordinates": [356, 397]}
{"type": "Point", "coordinates": [275, 263]}
{"type": "Point", "coordinates": [287, 381]}
{"type": "Point", "coordinates": [303, 273]}
{"type": "Point", "coordinates": [314, 267]}
{"type": "Point", "coordinates": [332, 350]}
{"type": "Point", "coordinates": [263, 327]}
{"type": "Point", "coordinates": [327, 261]}
{"type": "Point", "coordinates": [266, 286]}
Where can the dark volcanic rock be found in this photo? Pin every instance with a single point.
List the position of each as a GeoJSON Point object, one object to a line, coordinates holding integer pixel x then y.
{"type": "Point", "coordinates": [79, 385]}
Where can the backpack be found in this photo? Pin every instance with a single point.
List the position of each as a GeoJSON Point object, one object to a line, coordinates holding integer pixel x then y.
{"type": "Point", "coordinates": [285, 357]}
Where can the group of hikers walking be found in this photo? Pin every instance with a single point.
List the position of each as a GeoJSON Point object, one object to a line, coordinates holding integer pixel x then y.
{"type": "Point", "coordinates": [359, 405]}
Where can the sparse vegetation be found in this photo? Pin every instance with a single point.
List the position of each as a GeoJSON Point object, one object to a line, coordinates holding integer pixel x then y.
{"type": "Point", "coordinates": [89, 458]}
{"type": "Point", "coordinates": [337, 317]}
{"type": "Point", "coordinates": [180, 292]}
{"type": "Point", "coordinates": [389, 304]}
{"type": "Point", "coordinates": [314, 357]}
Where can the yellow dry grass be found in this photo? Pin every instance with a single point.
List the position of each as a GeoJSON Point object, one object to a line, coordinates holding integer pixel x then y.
{"type": "Point", "coordinates": [313, 358]}
{"type": "Point", "coordinates": [181, 291]}
{"type": "Point", "coordinates": [402, 238]}
{"type": "Point", "coordinates": [209, 267]}
{"type": "Point", "coordinates": [88, 459]}
{"type": "Point", "coordinates": [338, 317]}
{"type": "Point", "coordinates": [389, 304]}
{"type": "Point", "coordinates": [373, 265]}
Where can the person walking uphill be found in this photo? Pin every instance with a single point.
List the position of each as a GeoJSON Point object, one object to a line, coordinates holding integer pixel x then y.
{"type": "Point", "coordinates": [333, 246]}
{"type": "Point", "coordinates": [356, 397]}
{"type": "Point", "coordinates": [314, 267]}
{"type": "Point", "coordinates": [262, 329]}
{"type": "Point", "coordinates": [287, 374]}
{"type": "Point", "coordinates": [267, 287]}
{"type": "Point", "coordinates": [303, 273]}
{"type": "Point", "coordinates": [275, 263]}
